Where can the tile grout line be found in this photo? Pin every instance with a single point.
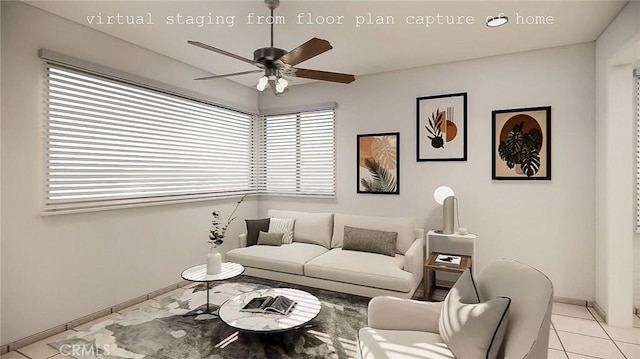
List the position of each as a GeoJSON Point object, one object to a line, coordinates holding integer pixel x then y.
{"type": "Point", "coordinates": [585, 355]}
{"type": "Point", "coordinates": [559, 340]}
{"type": "Point", "coordinates": [576, 317]}
{"type": "Point", "coordinates": [587, 335]}
{"type": "Point", "coordinates": [19, 352]}
{"type": "Point", "coordinates": [28, 357]}
{"type": "Point", "coordinates": [607, 333]}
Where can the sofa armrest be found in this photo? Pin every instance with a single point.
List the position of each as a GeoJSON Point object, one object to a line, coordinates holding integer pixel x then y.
{"type": "Point", "coordinates": [414, 259]}
{"type": "Point", "coordinates": [393, 313]}
{"type": "Point", "coordinates": [242, 240]}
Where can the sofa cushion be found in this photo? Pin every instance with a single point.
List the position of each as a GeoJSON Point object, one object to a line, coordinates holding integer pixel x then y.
{"type": "Point", "coordinates": [270, 239]}
{"type": "Point", "coordinates": [368, 240]}
{"type": "Point", "coordinates": [282, 225]}
{"type": "Point", "coordinates": [361, 268]}
{"type": "Point", "coordinates": [473, 330]}
{"type": "Point", "coordinates": [287, 258]}
{"type": "Point", "coordinates": [401, 344]}
{"type": "Point", "coordinates": [403, 226]}
{"type": "Point", "coordinates": [254, 226]}
{"type": "Point", "coordinates": [314, 228]}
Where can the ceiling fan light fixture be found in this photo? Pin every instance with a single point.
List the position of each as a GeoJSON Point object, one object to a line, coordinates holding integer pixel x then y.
{"type": "Point", "coordinates": [283, 82]}
{"type": "Point", "coordinates": [496, 21]}
{"type": "Point", "coordinates": [281, 85]}
{"type": "Point", "coordinates": [262, 83]}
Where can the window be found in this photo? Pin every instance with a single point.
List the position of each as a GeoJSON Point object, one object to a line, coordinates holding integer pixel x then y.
{"type": "Point", "coordinates": [297, 153]}
{"type": "Point", "coordinates": [111, 142]}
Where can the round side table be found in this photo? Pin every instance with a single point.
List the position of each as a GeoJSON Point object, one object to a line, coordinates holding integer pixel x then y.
{"type": "Point", "coordinates": [199, 274]}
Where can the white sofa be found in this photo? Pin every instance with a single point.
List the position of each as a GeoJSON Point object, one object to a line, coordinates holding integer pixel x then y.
{"type": "Point", "coordinates": [316, 258]}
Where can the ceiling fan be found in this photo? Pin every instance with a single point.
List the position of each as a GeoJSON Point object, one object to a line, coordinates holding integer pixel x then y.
{"type": "Point", "coordinates": [277, 63]}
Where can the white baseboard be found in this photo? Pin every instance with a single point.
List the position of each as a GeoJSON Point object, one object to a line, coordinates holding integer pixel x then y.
{"type": "Point", "coordinates": [580, 302]}
{"type": "Point", "coordinates": [598, 310]}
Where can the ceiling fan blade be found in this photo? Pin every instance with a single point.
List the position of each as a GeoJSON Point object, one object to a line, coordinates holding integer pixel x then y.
{"type": "Point", "coordinates": [228, 75]}
{"type": "Point", "coordinates": [222, 52]}
{"type": "Point", "coordinates": [304, 52]}
{"type": "Point", "coordinates": [324, 76]}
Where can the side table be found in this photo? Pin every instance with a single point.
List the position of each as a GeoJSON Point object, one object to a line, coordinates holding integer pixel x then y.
{"type": "Point", "coordinates": [454, 243]}
{"type": "Point", "coordinates": [431, 266]}
{"type": "Point", "coordinates": [199, 274]}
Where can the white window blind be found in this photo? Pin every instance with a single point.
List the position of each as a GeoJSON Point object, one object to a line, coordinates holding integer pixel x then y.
{"type": "Point", "coordinates": [297, 154]}
{"type": "Point", "coordinates": [112, 143]}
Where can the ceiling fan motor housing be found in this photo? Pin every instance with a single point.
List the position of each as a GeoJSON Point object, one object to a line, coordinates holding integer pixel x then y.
{"type": "Point", "coordinates": [268, 55]}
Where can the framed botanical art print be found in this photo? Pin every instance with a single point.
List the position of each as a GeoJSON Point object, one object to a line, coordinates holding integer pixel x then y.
{"type": "Point", "coordinates": [442, 127]}
{"type": "Point", "coordinates": [521, 144]}
{"type": "Point", "coordinates": [379, 163]}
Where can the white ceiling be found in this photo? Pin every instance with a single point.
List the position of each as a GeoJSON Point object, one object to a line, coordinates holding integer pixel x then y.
{"type": "Point", "coordinates": [358, 50]}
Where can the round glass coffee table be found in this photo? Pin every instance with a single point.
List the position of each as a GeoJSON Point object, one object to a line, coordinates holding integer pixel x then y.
{"type": "Point", "coordinates": [199, 274]}
{"type": "Point", "coordinates": [307, 308]}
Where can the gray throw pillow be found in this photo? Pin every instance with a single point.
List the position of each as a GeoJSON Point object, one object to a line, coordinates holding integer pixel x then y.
{"type": "Point", "coordinates": [473, 330]}
{"type": "Point", "coordinates": [254, 226]}
{"type": "Point", "coordinates": [270, 239]}
{"type": "Point", "coordinates": [368, 240]}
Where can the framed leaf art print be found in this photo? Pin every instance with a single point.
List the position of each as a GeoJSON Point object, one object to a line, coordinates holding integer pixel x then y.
{"type": "Point", "coordinates": [378, 163]}
{"type": "Point", "coordinates": [521, 144]}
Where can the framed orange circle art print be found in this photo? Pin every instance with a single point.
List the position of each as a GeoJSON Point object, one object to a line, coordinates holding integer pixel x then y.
{"type": "Point", "coordinates": [442, 127]}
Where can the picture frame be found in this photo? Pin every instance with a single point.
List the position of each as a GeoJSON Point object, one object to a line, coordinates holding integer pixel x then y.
{"type": "Point", "coordinates": [378, 163]}
{"type": "Point", "coordinates": [441, 127]}
{"type": "Point", "coordinates": [521, 144]}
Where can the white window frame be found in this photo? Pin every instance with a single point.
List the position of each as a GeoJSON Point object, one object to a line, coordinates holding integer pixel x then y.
{"type": "Point", "coordinates": [56, 60]}
{"type": "Point", "coordinates": [636, 73]}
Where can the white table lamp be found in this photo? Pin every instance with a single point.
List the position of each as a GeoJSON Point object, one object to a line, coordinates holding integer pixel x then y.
{"type": "Point", "coordinates": [446, 197]}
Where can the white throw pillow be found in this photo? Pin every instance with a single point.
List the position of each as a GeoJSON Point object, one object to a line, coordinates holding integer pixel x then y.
{"type": "Point", "coordinates": [282, 225]}
{"type": "Point", "coordinates": [470, 329]}
{"type": "Point", "coordinates": [314, 228]}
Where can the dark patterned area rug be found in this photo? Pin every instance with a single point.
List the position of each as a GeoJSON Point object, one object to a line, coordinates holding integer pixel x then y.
{"type": "Point", "coordinates": [159, 330]}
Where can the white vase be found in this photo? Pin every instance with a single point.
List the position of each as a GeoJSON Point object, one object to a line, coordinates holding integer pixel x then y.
{"type": "Point", "coordinates": [214, 261]}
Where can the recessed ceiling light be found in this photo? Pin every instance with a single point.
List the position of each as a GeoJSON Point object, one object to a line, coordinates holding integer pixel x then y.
{"type": "Point", "coordinates": [495, 21]}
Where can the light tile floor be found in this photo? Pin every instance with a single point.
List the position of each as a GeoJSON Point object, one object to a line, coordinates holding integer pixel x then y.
{"type": "Point", "coordinates": [579, 333]}
{"type": "Point", "coordinates": [576, 333]}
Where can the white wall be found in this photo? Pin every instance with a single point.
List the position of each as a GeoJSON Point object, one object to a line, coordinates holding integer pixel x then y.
{"type": "Point", "coordinates": [0, 173]}
{"type": "Point", "coordinates": [636, 274]}
{"type": "Point", "coordinates": [549, 225]}
{"type": "Point", "coordinates": [615, 177]}
{"type": "Point", "coordinates": [636, 250]}
{"type": "Point", "coordinates": [58, 268]}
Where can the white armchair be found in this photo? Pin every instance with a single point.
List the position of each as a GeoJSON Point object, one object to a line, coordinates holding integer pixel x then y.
{"type": "Point", "coordinates": [402, 328]}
